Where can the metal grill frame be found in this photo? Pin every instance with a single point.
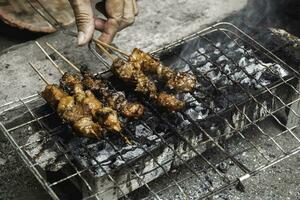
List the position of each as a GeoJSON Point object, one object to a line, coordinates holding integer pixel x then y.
{"type": "Point", "coordinates": [215, 141]}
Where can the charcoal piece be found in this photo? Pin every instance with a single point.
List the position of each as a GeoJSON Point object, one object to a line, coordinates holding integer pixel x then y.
{"type": "Point", "coordinates": [223, 167]}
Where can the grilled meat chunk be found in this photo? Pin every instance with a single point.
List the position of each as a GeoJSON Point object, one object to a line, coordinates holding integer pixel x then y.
{"type": "Point", "coordinates": [182, 82]}
{"type": "Point", "coordinates": [52, 94]}
{"type": "Point", "coordinates": [179, 81]}
{"type": "Point", "coordinates": [66, 103]}
{"type": "Point", "coordinates": [88, 128]}
{"type": "Point", "coordinates": [132, 110]}
{"type": "Point", "coordinates": [109, 118]}
{"type": "Point", "coordinates": [90, 103]}
{"type": "Point", "coordinates": [170, 102]}
{"type": "Point", "coordinates": [68, 81]}
{"type": "Point", "coordinates": [128, 72]}
{"type": "Point", "coordinates": [115, 100]}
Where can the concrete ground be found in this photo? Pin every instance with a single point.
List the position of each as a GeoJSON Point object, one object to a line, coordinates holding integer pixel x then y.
{"type": "Point", "coordinates": [159, 23]}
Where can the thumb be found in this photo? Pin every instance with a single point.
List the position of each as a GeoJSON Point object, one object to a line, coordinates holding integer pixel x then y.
{"type": "Point", "coordinates": [84, 19]}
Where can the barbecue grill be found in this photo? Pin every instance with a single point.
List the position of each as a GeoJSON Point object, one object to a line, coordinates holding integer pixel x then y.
{"type": "Point", "coordinates": [240, 84]}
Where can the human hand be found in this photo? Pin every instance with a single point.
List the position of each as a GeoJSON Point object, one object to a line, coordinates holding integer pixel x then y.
{"type": "Point", "coordinates": [119, 14]}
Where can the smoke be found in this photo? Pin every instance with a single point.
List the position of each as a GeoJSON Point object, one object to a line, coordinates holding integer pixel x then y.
{"type": "Point", "coordinates": [256, 13]}
{"type": "Point", "coordinates": [269, 13]}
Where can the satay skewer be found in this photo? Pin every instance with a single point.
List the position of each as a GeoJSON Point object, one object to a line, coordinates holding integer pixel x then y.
{"type": "Point", "coordinates": [110, 47]}
{"type": "Point", "coordinates": [56, 97]}
{"type": "Point", "coordinates": [77, 69]}
{"type": "Point", "coordinates": [39, 73]}
{"type": "Point", "coordinates": [115, 99]}
{"type": "Point", "coordinates": [47, 55]}
{"type": "Point", "coordinates": [105, 51]}
{"type": "Point", "coordinates": [63, 57]}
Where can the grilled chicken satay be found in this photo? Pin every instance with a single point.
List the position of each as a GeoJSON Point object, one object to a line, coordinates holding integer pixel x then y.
{"type": "Point", "coordinates": [179, 81]}
{"type": "Point", "coordinates": [104, 115]}
{"type": "Point", "coordinates": [71, 113]}
{"type": "Point", "coordinates": [115, 100]}
{"type": "Point", "coordinates": [130, 72]}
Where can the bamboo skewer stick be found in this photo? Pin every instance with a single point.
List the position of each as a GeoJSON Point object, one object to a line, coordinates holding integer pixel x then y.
{"type": "Point", "coordinates": [63, 57]}
{"type": "Point", "coordinates": [47, 55]}
{"type": "Point", "coordinates": [105, 51]}
{"type": "Point", "coordinates": [39, 73]}
{"type": "Point", "coordinates": [110, 47]}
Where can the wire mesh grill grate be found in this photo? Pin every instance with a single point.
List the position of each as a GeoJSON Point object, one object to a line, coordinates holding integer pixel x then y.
{"type": "Point", "coordinates": [231, 99]}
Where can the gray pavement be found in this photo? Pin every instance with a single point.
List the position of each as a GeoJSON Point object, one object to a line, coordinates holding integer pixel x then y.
{"type": "Point", "coordinates": [159, 23]}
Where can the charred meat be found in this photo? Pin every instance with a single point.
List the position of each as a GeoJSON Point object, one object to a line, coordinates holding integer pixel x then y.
{"type": "Point", "coordinates": [71, 113]}
{"type": "Point", "coordinates": [180, 81]}
{"type": "Point", "coordinates": [115, 100]}
{"type": "Point", "coordinates": [90, 104]}
{"type": "Point", "coordinates": [144, 85]}
{"type": "Point", "coordinates": [128, 72]}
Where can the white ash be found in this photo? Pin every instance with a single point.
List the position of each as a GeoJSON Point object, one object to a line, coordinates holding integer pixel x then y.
{"type": "Point", "coordinates": [202, 50]}
{"type": "Point", "coordinates": [196, 59]}
{"type": "Point", "coordinates": [142, 131]}
{"type": "Point", "coordinates": [221, 70]}
{"type": "Point", "coordinates": [2, 161]}
{"type": "Point", "coordinates": [132, 154]}
{"type": "Point", "coordinates": [240, 50]}
{"type": "Point", "coordinates": [222, 58]}
{"type": "Point", "coordinates": [231, 45]}
{"type": "Point", "coordinates": [197, 114]}
{"type": "Point", "coordinates": [97, 156]}
{"type": "Point", "coordinates": [217, 52]}
{"type": "Point", "coordinates": [218, 44]}
{"type": "Point", "coordinates": [205, 68]}
{"type": "Point", "coordinates": [45, 153]}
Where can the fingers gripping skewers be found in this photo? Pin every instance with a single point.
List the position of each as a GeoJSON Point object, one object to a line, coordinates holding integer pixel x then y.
{"type": "Point", "coordinates": [69, 111]}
